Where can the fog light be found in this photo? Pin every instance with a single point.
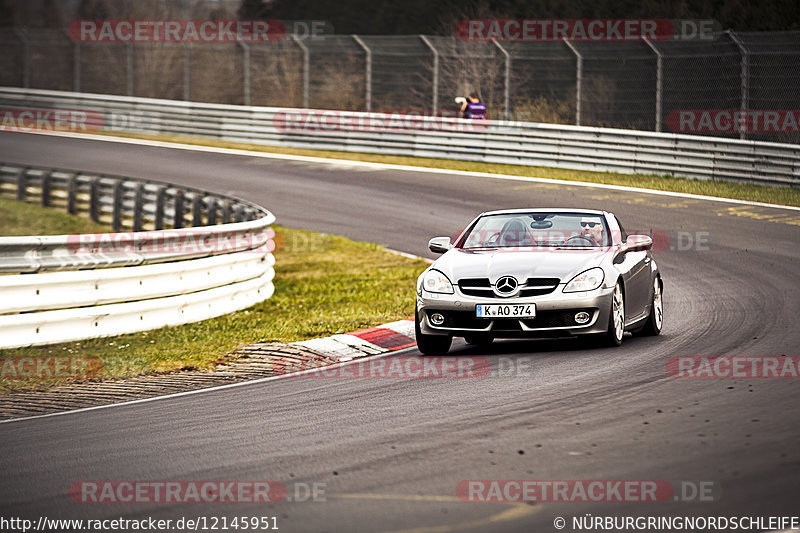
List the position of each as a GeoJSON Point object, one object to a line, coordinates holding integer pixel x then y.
{"type": "Point", "coordinates": [582, 317]}
{"type": "Point", "coordinates": [437, 319]}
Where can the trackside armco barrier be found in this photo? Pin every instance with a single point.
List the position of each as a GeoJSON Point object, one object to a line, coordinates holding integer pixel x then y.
{"type": "Point", "coordinates": [189, 255]}
{"type": "Point", "coordinates": [520, 143]}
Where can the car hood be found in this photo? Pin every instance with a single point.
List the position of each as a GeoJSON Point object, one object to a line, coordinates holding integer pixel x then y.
{"type": "Point", "coordinates": [522, 264]}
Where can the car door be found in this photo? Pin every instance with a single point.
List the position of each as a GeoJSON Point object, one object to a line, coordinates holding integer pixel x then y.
{"type": "Point", "coordinates": [634, 267]}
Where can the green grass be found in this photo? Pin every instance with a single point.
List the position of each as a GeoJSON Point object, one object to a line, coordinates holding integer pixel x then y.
{"type": "Point", "coordinates": [20, 218]}
{"type": "Point", "coordinates": [755, 193]}
{"type": "Point", "coordinates": [324, 284]}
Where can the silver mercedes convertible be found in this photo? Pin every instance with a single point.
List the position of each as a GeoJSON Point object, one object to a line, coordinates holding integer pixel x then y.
{"type": "Point", "coordinates": [537, 273]}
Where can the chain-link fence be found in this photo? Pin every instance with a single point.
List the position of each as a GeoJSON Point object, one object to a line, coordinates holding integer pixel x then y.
{"type": "Point", "coordinates": [741, 85]}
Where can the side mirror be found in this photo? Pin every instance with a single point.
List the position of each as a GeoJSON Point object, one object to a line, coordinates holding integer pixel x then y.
{"type": "Point", "coordinates": [638, 243]}
{"type": "Point", "coordinates": [439, 245]}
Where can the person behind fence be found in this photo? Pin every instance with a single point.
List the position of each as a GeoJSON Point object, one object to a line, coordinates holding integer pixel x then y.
{"type": "Point", "coordinates": [472, 107]}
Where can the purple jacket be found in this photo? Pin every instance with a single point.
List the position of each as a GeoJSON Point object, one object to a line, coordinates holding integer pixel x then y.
{"type": "Point", "coordinates": [475, 110]}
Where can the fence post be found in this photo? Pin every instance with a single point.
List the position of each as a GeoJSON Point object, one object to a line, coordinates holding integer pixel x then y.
{"type": "Point", "coordinates": [507, 96]}
{"type": "Point", "coordinates": [197, 210]}
{"type": "Point", "coordinates": [138, 204]}
{"type": "Point", "coordinates": [45, 199]}
{"type": "Point", "coordinates": [659, 81]}
{"type": "Point", "coordinates": [306, 68]}
{"type": "Point", "coordinates": [26, 58]}
{"type": "Point", "coordinates": [226, 211]}
{"type": "Point", "coordinates": [367, 74]}
{"type": "Point", "coordinates": [177, 222]}
{"type": "Point", "coordinates": [22, 185]}
{"type": "Point", "coordinates": [94, 199]}
{"type": "Point", "coordinates": [72, 190]}
{"type": "Point", "coordinates": [211, 211]}
{"type": "Point", "coordinates": [76, 67]}
{"type": "Point", "coordinates": [187, 72]}
{"type": "Point", "coordinates": [578, 81]}
{"type": "Point", "coordinates": [129, 50]}
{"type": "Point", "coordinates": [158, 215]}
{"type": "Point", "coordinates": [116, 211]}
{"type": "Point", "coordinates": [744, 80]}
{"type": "Point", "coordinates": [435, 72]}
{"type": "Point", "coordinates": [246, 69]}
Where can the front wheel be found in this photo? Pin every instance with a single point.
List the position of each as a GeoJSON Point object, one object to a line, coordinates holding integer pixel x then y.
{"type": "Point", "coordinates": [656, 319]}
{"type": "Point", "coordinates": [431, 344]}
{"type": "Point", "coordinates": [616, 320]}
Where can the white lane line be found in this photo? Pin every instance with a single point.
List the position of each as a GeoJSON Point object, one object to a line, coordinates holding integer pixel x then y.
{"type": "Point", "coordinates": [209, 389]}
{"type": "Point", "coordinates": [409, 168]}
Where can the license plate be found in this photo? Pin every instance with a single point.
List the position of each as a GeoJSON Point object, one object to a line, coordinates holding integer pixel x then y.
{"type": "Point", "coordinates": [506, 311]}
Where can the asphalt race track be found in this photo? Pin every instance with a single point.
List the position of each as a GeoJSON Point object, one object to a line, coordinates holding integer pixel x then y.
{"type": "Point", "coordinates": [391, 452]}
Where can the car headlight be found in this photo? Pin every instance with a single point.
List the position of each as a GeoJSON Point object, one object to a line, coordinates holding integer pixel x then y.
{"type": "Point", "coordinates": [586, 281]}
{"type": "Point", "coordinates": [435, 281]}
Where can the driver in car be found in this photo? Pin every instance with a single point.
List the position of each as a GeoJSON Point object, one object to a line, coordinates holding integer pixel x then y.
{"type": "Point", "coordinates": [592, 228]}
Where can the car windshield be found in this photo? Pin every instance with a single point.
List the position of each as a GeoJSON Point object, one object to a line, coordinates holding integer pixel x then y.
{"type": "Point", "coordinates": [515, 230]}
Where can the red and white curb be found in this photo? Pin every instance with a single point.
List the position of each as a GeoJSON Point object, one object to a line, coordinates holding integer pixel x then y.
{"type": "Point", "coordinates": [386, 338]}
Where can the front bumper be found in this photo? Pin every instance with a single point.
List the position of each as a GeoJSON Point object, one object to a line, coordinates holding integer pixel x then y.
{"type": "Point", "coordinates": [555, 314]}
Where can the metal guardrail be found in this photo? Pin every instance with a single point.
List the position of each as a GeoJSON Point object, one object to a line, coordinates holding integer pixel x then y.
{"type": "Point", "coordinates": [519, 143]}
{"type": "Point", "coordinates": [190, 255]}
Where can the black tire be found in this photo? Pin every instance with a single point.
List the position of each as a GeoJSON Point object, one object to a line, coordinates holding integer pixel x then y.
{"type": "Point", "coordinates": [655, 321]}
{"type": "Point", "coordinates": [431, 344]}
{"type": "Point", "coordinates": [479, 339]}
{"type": "Point", "coordinates": [616, 319]}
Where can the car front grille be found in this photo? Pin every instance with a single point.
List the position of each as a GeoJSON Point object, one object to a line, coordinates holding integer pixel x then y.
{"type": "Point", "coordinates": [481, 287]}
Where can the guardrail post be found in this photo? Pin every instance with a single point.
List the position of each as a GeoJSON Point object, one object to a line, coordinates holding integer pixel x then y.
{"type": "Point", "coordinates": [26, 58]}
{"type": "Point", "coordinates": [435, 80]}
{"type": "Point", "coordinates": [507, 94]}
{"type": "Point", "coordinates": [306, 68]}
{"type": "Point", "coordinates": [116, 211]}
{"type": "Point", "coordinates": [187, 72]}
{"type": "Point", "coordinates": [744, 80]}
{"type": "Point", "coordinates": [197, 210]}
{"type": "Point", "coordinates": [177, 223]}
{"type": "Point", "coordinates": [22, 185]}
{"type": "Point", "coordinates": [659, 81]}
{"type": "Point", "coordinates": [367, 73]}
{"type": "Point", "coordinates": [45, 201]}
{"type": "Point", "coordinates": [72, 189]}
{"type": "Point", "coordinates": [129, 53]}
{"type": "Point", "coordinates": [138, 204]}
{"type": "Point", "coordinates": [578, 81]}
{"type": "Point", "coordinates": [211, 211]}
{"type": "Point", "coordinates": [158, 215]}
{"type": "Point", "coordinates": [94, 199]}
{"type": "Point", "coordinates": [245, 70]}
